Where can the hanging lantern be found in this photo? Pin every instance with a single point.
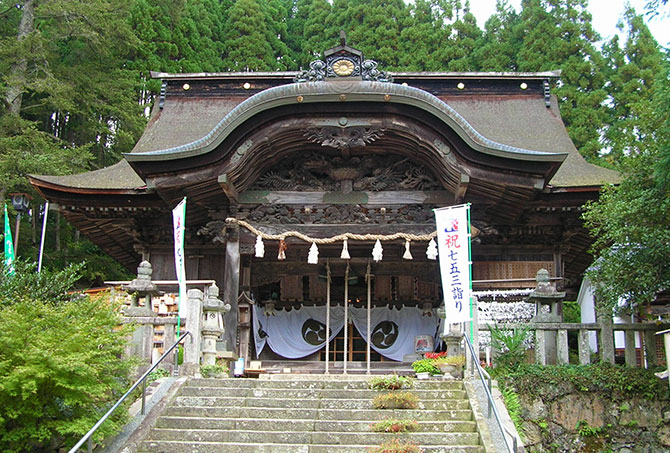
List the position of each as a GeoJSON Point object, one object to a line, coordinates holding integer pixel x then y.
{"type": "Point", "coordinates": [313, 255]}
{"type": "Point", "coordinates": [407, 255]}
{"type": "Point", "coordinates": [260, 247]}
{"type": "Point", "coordinates": [431, 252]}
{"type": "Point", "coordinates": [281, 256]}
{"type": "Point", "coordinates": [377, 251]}
{"type": "Point", "coordinates": [345, 251]}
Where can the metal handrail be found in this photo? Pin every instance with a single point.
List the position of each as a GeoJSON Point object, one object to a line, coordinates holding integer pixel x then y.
{"type": "Point", "coordinates": [491, 403]}
{"type": "Point", "coordinates": [141, 380]}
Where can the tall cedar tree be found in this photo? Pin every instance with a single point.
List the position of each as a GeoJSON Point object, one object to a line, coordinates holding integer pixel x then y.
{"type": "Point", "coordinates": [558, 35]}
{"type": "Point", "coordinates": [501, 42]}
{"type": "Point", "coordinates": [631, 73]}
{"type": "Point", "coordinates": [246, 38]}
{"type": "Point", "coordinates": [307, 34]}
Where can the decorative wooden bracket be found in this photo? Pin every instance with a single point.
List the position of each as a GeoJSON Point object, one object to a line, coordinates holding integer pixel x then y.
{"type": "Point", "coordinates": [462, 188]}
{"type": "Point", "coordinates": [229, 189]}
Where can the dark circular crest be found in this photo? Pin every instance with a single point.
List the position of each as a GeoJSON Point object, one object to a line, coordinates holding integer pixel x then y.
{"type": "Point", "coordinates": [314, 332]}
{"type": "Point", "coordinates": [384, 334]}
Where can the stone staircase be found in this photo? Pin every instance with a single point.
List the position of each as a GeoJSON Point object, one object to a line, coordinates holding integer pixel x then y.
{"type": "Point", "coordinates": [306, 413]}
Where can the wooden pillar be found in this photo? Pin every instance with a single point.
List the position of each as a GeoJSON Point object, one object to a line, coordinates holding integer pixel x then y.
{"type": "Point", "coordinates": [584, 348]}
{"type": "Point", "coordinates": [244, 312]}
{"type": "Point", "coordinates": [629, 354]}
{"type": "Point", "coordinates": [650, 348]}
{"type": "Point", "coordinates": [231, 287]}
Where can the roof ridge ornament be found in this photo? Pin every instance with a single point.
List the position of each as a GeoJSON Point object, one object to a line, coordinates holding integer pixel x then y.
{"type": "Point", "coordinates": [343, 61]}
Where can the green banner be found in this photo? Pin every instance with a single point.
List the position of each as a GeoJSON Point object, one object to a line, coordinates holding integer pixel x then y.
{"type": "Point", "coordinates": [9, 246]}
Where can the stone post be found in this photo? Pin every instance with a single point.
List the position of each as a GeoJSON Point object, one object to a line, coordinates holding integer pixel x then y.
{"type": "Point", "coordinates": [584, 347]}
{"type": "Point", "coordinates": [212, 324]}
{"type": "Point", "coordinates": [562, 350]}
{"type": "Point", "coordinates": [142, 338]}
{"type": "Point", "coordinates": [549, 308]}
{"type": "Point", "coordinates": [192, 344]}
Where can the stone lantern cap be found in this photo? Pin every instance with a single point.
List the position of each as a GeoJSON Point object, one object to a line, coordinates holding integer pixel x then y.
{"type": "Point", "coordinates": [544, 291]}
{"type": "Point", "coordinates": [212, 301]}
{"type": "Point", "coordinates": [142, 285]}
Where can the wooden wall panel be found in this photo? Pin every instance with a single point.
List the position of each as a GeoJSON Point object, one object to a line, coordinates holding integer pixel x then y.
{"type": "Point", "coordinates": [291, 288]}
{"type": "Point", "coordinates": [383, 287]}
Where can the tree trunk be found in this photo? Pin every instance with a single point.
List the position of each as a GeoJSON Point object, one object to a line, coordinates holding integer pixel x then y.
{"type": "Point", "coordinates": [17, 73]}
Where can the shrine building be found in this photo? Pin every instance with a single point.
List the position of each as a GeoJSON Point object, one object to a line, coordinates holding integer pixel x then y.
{"type": "Point", "coordinates": [343, 149]}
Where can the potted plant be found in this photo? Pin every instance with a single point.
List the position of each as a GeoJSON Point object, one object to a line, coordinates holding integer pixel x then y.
{"type": "Point", "coordinates": [424, 368]}
{"type": "Point", "coordinates": [451, 366]}
{"type": "Point", "coordinates": [393, 425]}
{"type": "Point", "coordinates": [395, 400]}
{"type": "Point", "coordinates": [390, 382]}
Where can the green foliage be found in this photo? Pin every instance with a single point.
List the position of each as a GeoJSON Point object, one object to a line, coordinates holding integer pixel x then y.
{"type": "Point", "coordinates": [394, 425]}
{"type": "Point", "coordinates": [585, 430]}
{"type": "Point", "coordinates": [425, 366]}
{"type": "Point", "coordinates": [156, 374]}
{"type": "Point", "coordinates": [51, 286]}
{"type": "Point", "coordinates": [395, 400]}
{"type": "Point", "coordinates": [572, 312]}
{"type": "Point", "coordinates": [213, 371]}
{"type": "Point", "coordinates": [510, 346]}
{"type": "Point", "coordinates": [631, 226]}
{"type": "Point", "coordinates": [60, 372]}
{"type": "Point", "coordinates": [619, 381]}
{"type": "Point", "coordinates": [513, 405]}
{"type": "Point", "coordinates": [390, 382]}
{"type": "Point", "coordinates": [396, 446]}
{"type": "Point", "coordinates": [456, 360]}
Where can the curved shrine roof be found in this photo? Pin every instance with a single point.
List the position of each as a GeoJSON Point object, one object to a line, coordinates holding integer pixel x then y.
{"type": "Point", "coordinates": [517, 124]}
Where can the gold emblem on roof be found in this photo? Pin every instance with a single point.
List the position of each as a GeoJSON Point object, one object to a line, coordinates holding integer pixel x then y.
{"type": "Point", "coordinates": [343, 67]}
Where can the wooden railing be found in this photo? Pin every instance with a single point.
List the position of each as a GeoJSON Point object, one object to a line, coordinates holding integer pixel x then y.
{"type": "Point", "coordinates": [646, 333]}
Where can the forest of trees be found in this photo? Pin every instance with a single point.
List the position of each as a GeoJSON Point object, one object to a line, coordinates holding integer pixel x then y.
{"type": "Point", "coordinates": [75, 85]}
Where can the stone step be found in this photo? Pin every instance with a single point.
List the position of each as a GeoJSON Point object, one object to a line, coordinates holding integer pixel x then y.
{"type": "Point", "coordinates": [460, 414]}
{"type": "Point", "coordinates": [221, 392]}
{"type": "Point", "coordinates": [317, 382]}
{"type": "Point", "coordinates": [307, 403]}
{"type": "Point", "coordinates": [218, 447]}
{"type": "Point", "coordinates": [315, 437]}
{"type": "Point", "coordinates": [292, 424]}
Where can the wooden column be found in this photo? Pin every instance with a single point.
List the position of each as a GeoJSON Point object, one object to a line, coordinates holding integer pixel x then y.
{"type": "Point", "coordinates": [244, 312]}
{"type": "Point", "coordinates": [231, 287]}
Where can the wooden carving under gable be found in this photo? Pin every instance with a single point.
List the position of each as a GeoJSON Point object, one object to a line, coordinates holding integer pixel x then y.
{"type": "Point", "coordinates": [339, 214]}
{"type": "Point", "coordinates": [316, 172]}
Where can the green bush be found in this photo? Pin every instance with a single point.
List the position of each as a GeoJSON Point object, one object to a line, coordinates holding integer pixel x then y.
{"type": "Point", "coordinates": [425, 366]}
{"type": "Point", "coordinates": [60, 371]}
{"type": "Point", "coordinates": [48, 285]}
{"type": "Point", "coordinates": [213, 371]}
{"type": "Point", "coordinates": [395, 400]}
{"type": "Point", "coordinates": [390, 382]}
{"type": "Point", "coordinates": [394, 425]}
{"type": "Point", "coordinates": [510, 346]}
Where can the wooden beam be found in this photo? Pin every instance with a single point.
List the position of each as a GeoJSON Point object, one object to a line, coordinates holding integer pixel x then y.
{"type": "Point", "coordinates": [340, 198]}
{"type": "Point", "coordinates": [228, 188]}
{"type": "Point", "coordinates": [462, 188]}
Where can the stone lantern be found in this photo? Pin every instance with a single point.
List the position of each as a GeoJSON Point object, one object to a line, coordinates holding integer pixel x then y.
{"type": "Point", "coordinates": [549, 309]}
{"type": "Point", "coordinates": [213, 309]}
{"type": "Point", "coordinates": [141, 287]}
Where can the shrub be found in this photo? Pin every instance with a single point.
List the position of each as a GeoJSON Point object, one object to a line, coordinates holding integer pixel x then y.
{"type": "Point", "coordinates": [425, 366]}
{"type": "Point", "coordinates": [213, 371]}
{"type": "Point", "coordinates": [393, 425]}
{"type": "Point", "coordinates": [396, 446]}
{"type": "Point", "coordinates": [511, 347]}
{"type": "Point", "coordinates": [455, 360]}
{"type": "Point", "coordinates": [60, 370]}
{"type": "Point", "coordinates": [391, 382]}
{"type": "Point", "coordinates": [395, 400]}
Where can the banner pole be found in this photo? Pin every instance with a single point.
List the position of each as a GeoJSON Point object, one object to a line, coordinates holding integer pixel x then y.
{"type": "Point", "coordinates": [44, 230]}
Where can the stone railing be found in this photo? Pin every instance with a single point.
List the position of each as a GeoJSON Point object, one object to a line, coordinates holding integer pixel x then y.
{"type": "Point", "coordinates": [202, 315]}
{"type": "Point", "coordinates": [552, 337]}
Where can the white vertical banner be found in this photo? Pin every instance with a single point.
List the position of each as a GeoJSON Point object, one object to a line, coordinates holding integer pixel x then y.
{"type": "Point", "coordinates": [453, 244]}
{"type": "Point", "coordinates": [179, 222]}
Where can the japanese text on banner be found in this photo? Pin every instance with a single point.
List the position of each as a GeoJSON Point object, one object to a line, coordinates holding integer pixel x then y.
{"type": "Point", "coordinates": [453, 242]}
